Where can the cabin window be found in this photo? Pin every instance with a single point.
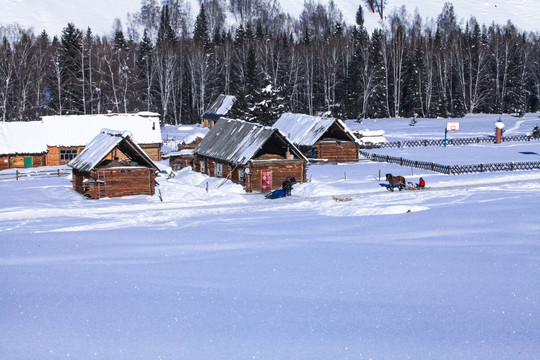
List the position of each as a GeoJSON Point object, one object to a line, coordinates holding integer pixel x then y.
{"type": "Point", "coordinates": [219, 170]}
{"type": "Point", "coordinates": [67, 155]}
{"type": "Point", "coordinates": [241, 175]}
{"type": "Point", "coordinates": [266, 180]}
{"type": "Point", "coordinates": [203, 166]}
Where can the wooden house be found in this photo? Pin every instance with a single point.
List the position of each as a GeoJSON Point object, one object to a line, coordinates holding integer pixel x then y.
{"type": "Point", "coordinates": [113, 165]}
{"type": "Point", "coordinates": [184, 156]}
{"type": "Point", "coordinates": [218, 109]}
{"type": "Point", "coordinates": [320, 138]}
{"type": "Point", "coordinates": [259, 157]}
{"type": "Point", "coordinates": [56, 140]}
{"type": "Point", "coordinates": [21, 145]}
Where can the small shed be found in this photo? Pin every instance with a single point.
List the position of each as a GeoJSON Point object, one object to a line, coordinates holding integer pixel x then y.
{"type": "Point", "coordinates": [258, 157]}
{"type": "Point", "coordinates": [181, 159]}
{"type": "Point", "coordinates": [320, 138]}
{"type": "Point", "coordinates": [218, 109]}
{"type": "Point", "coordinates": [113, 165]}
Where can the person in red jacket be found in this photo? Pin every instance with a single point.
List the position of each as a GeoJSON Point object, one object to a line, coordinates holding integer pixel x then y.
{"type": "Point", "coordinates": [421, 183]}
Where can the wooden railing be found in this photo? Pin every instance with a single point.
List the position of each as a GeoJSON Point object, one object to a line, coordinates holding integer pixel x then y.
{"type": "Point", "coordinates": [454, 169]}
{"type": "Point", "coordinates": [17, 174]}
{"type": "Point", "coordinates": [440, 142]}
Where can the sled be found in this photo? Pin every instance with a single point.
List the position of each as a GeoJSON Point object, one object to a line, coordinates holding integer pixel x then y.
{"type": "Point", "coordinates": [411, 186]}
{"type": "Point", "coordinates": [276, 194]}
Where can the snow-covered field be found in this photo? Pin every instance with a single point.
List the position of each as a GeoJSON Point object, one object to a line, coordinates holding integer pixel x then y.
{"type": "Point", "coordinates": [228, 275]}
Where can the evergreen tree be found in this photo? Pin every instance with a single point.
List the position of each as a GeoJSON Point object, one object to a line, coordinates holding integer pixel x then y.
{"type": "Point", "coordinates": [120, 41]}
{"type": "Point", "coordinates": [200, 33]}
{"type": "Point", "coordinates": [165, 32]}
{"type": "Point", "coordinates": [377, 100]}
{"type": "Point", "coordinates": [516, 98]}
{"type": "Point", "coordinates": [70, 52]}
{"type": "Point", "coordinates": [145, 70]}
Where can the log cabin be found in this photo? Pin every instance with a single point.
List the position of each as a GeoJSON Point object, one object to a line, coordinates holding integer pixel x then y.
{"type": "Point", "coordinates": [184, 156]}
{"type": "Point", "coordinates": [218, 109]}
{"type": "Point", "coordinates": [21, 145]}
{"type": "Point", "coordinates": [258, 157]}
{"type": "Point", "coordinates": [113, 165]}
{"type": "Point", "coordinates": [55, 140]}
{"type": "Point", "coordinates": [320, 138]}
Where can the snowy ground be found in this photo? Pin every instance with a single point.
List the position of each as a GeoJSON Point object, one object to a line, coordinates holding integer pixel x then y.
{"type": "Point", "coordinates": [228, 275]}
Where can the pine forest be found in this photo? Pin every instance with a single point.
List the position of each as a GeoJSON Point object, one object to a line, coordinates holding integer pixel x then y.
{"type": "Point", "coordinates": [167, 60]}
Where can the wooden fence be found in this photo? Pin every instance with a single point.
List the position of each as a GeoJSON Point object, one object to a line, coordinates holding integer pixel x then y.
{"type": "Point", "coordinates": [440, 142]}
{"type": "Point", "coordinates": [33, 173]}
{"type": "Point", "coordinates": [454, 169]}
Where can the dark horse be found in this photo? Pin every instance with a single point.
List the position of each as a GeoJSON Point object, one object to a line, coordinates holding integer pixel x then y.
{"type": "Point", "coordinates": [393, 180]}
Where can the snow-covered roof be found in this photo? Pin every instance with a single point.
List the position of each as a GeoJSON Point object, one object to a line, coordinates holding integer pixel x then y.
{"type": "Point", "coordinates": [102, 144]}
{"type": "Point", "coordinates": [237, 141]}
{"type": "Point", "coordinates": [75, 130]}
{"type": "Point", "coordinates": [220, 107]}
{"type": "Point", "coordinates": [306, 130]}
{"type": "Point", "coordinates": [22, 137]}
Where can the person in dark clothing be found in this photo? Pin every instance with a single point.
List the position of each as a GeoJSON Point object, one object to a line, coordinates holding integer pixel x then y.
{"type": "Point", "coordinates": [286, 186]}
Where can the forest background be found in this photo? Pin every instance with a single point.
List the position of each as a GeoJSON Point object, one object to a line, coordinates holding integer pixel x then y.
{"type": "Point", "coordinates": [166, 62]}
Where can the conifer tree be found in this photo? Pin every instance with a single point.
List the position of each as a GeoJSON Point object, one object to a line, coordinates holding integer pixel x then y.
{"type": "Point", "coordinates": [200, 33]}
{"type": "Point", "coordinates": [377, 99]}
{"type": "Point", "coordinates": [165, 32]}
{"type": "Point", "coordinates": [70, 52]}
{"type": "Point", "coordinates": [120, 41]}
{"type": "Point", "coordinates": [145, 69]}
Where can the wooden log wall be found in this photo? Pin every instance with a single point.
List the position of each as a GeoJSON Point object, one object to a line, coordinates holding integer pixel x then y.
{"type": "Point", "coordinates": [152, 150]}
{"type": "Point", "coordinates": [181, 160]}
{"type": "Point", "coordinates": [115, 182]}
{"type": "Point", "coordinates": [336, 151]}
{"type": "Point", "coordinates": [280, 170]}
{"type": "Point", "coordinates": [17, 161]}
{"type": "Point", "coordinates": [53, 154]}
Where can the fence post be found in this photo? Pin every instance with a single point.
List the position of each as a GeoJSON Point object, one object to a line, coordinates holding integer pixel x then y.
{"type": "Point", "coordinates": [58, 172]}
{"type": "Point", "coordinates": [17, 174]}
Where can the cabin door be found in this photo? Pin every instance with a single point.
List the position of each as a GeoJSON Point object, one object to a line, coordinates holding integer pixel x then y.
{"type": "Point", "coordinates": [27, 162]}
{"type": "Point", "coordinates": [266, 180]}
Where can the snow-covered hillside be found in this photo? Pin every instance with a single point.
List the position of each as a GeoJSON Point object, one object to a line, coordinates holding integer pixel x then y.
{"type": "Point", "coordinates": [447, 273]}
{"type": "Point", "coordinates": [53, 15]}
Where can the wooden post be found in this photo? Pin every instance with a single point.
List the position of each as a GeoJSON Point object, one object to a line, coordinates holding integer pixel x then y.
{"type": "Point", "coordinates": [17, 174]}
